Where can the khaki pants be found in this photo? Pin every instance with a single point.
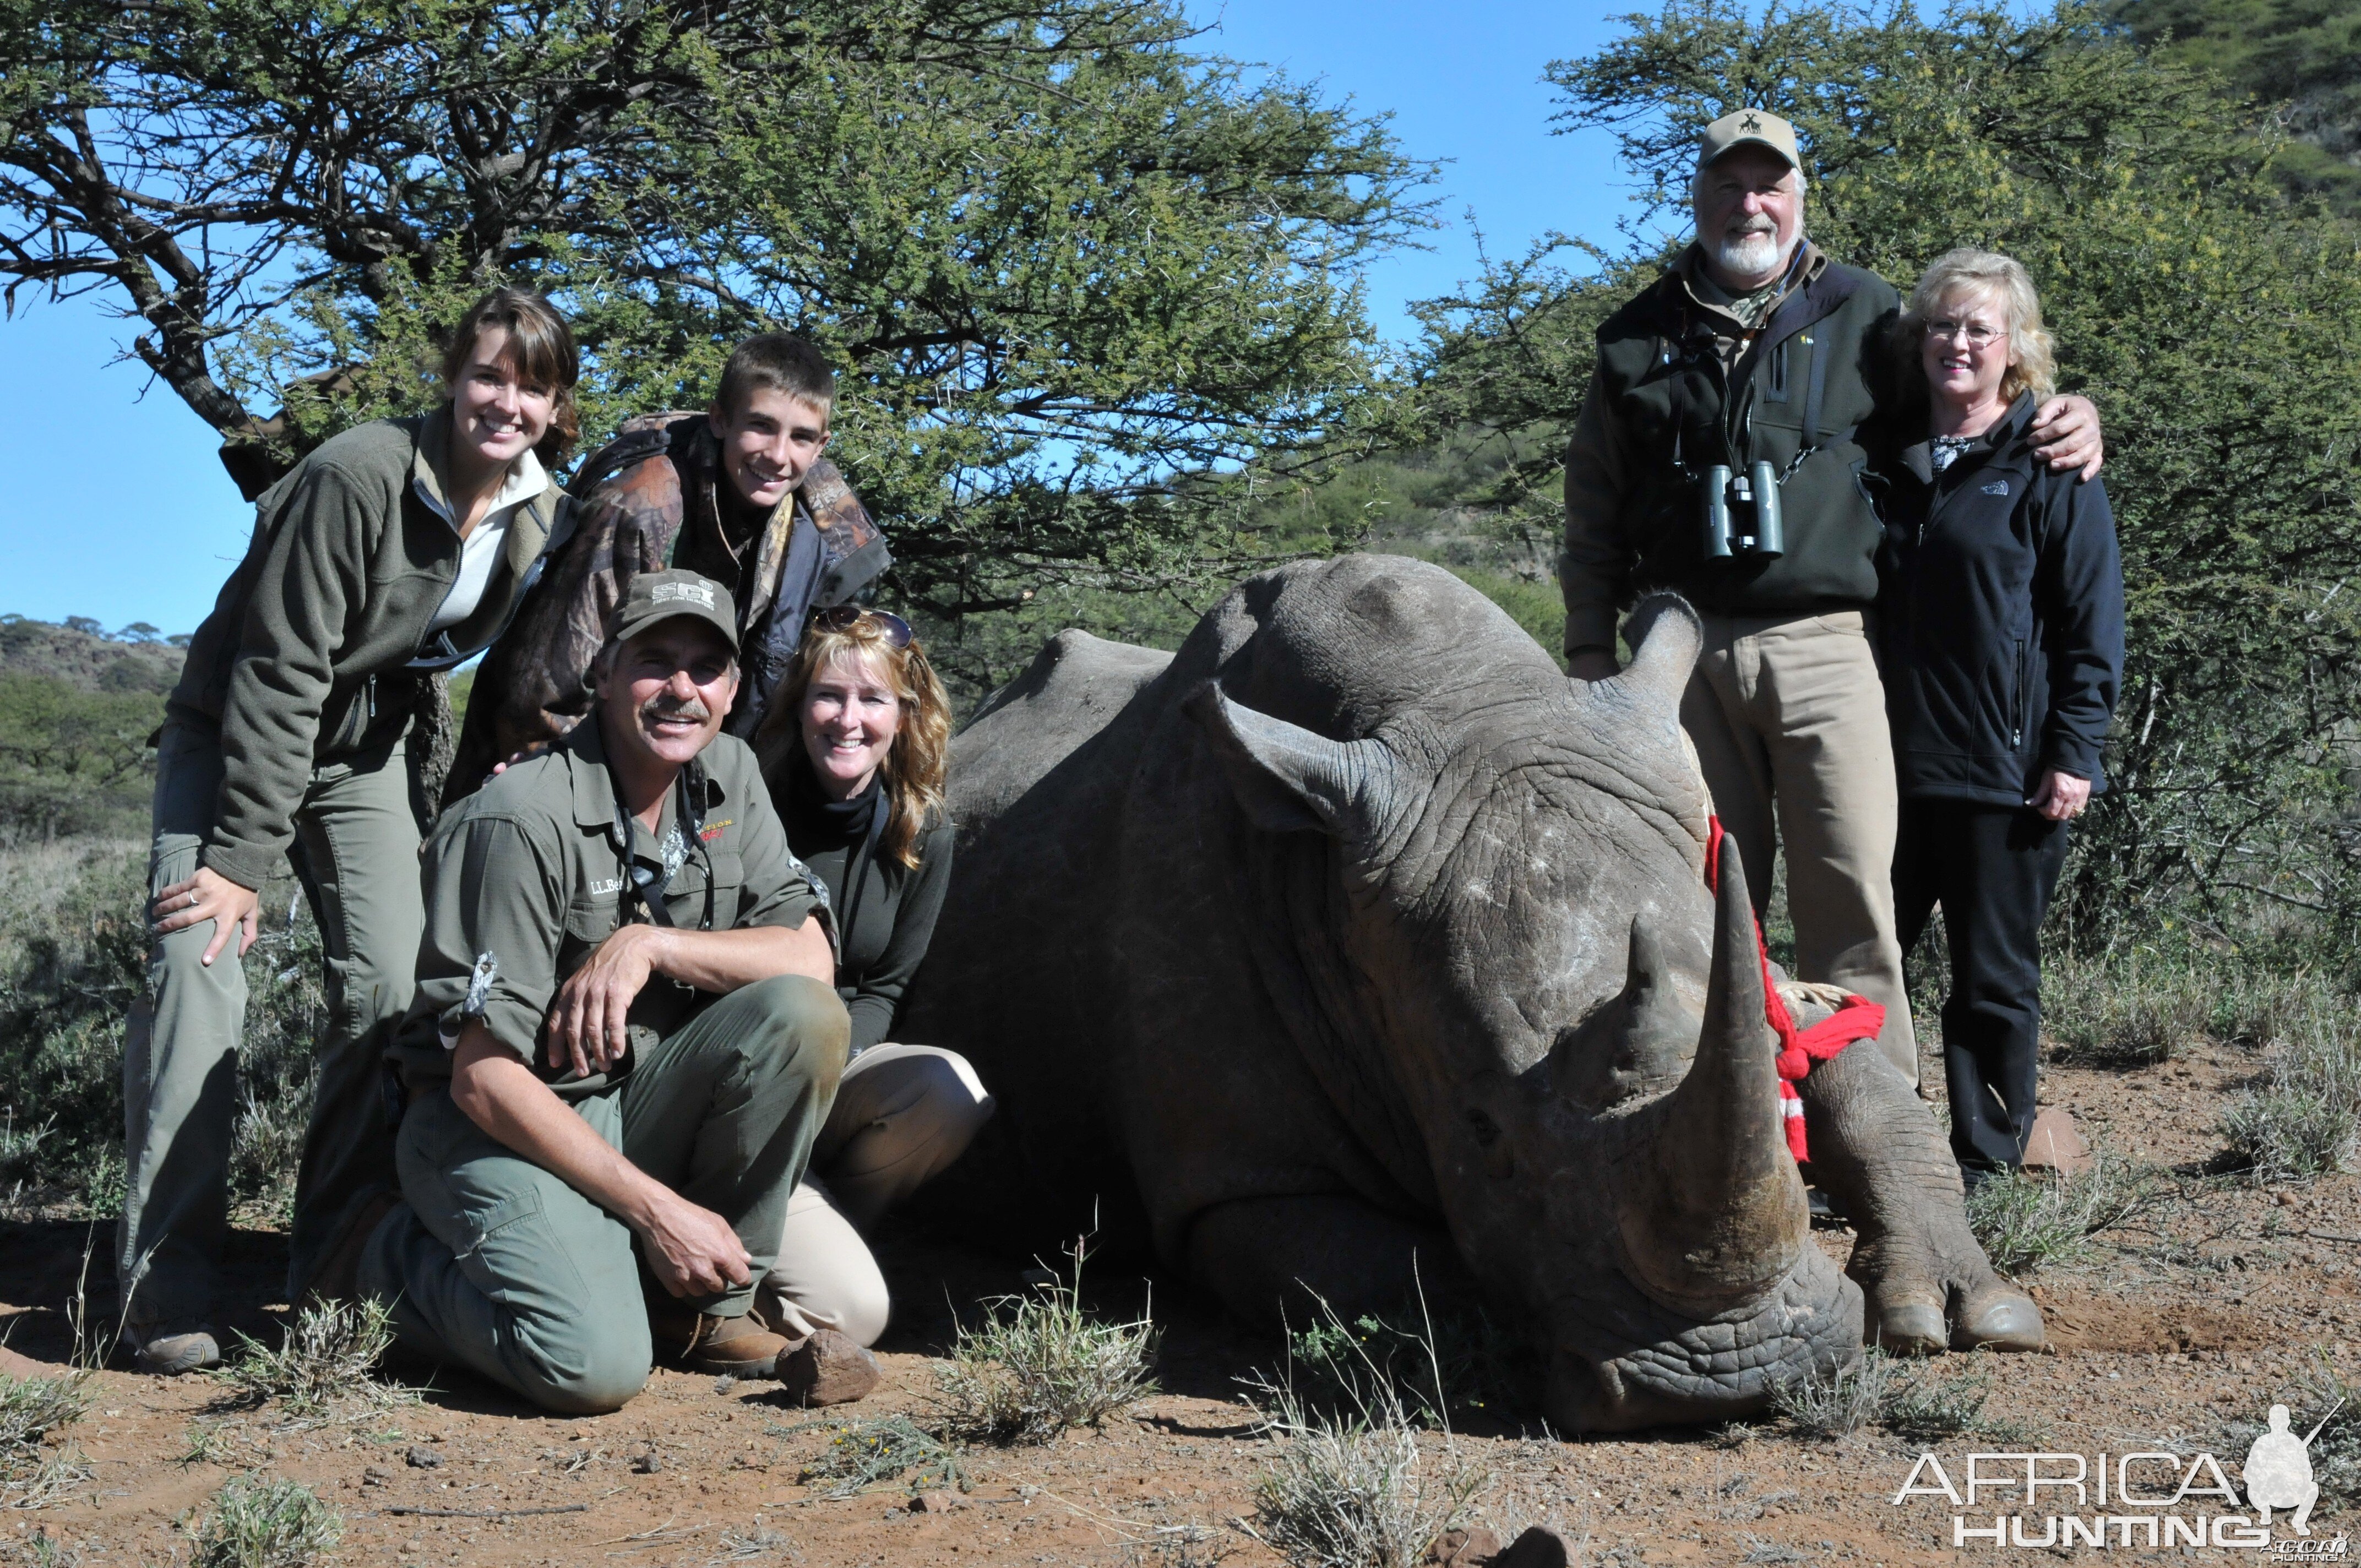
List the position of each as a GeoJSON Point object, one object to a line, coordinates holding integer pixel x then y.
{"type": "Point", "coordinates": [494, 1263]}
{"type": "Point", "coordinates": [1788, 718]}
{"type": "Point", "coordinates": [902, 1115]}
{"type": "Point", "coordinates": [356, 837]}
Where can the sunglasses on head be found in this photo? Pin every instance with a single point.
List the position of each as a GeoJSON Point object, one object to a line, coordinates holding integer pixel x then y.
{"type": "Point", "coordinates": [845, 617]}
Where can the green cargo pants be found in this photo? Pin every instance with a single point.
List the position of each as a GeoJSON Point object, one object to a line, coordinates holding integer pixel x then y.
{"type": "Point", "coordinates": [494, 1263]}
{"type": "Point", "coordinates": [356, 837]}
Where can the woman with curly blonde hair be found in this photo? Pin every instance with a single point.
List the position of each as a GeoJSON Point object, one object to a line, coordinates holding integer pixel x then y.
{"type": "Point", "coordinates": [854, 750]}
{"type": "Point", "coordinates": [2001, 634]}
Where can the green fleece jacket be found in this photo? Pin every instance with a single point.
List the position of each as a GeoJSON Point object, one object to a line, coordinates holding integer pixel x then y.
{"type": "Point", "coordinates": [348, 564]}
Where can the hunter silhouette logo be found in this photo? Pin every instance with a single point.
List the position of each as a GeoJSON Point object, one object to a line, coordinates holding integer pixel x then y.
{"type": "Point", "coordinates": [2278, 1470]}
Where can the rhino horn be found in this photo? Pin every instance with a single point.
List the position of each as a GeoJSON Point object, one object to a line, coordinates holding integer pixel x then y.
{"type": "Point", "coordinates": [1718, 1216]}
{"type": "Point", "coordinates": [1666, 636]}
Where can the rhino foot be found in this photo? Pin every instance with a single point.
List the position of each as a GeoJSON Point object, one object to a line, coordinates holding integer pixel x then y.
{"type": "Point", "coordinates": [1914, 1320]}
{"type": "Point", "coordinates": [1928, 1283]}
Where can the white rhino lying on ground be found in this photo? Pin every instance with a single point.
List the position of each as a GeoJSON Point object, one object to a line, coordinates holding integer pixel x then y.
{"type": "Point", "coordinates": [1355, 931]}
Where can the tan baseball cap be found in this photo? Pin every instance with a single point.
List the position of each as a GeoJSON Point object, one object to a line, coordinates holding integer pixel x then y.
{"type": "Point", "coordinates": [1758, 127]}
{"type": "Point", "coordinates": [660, 595]}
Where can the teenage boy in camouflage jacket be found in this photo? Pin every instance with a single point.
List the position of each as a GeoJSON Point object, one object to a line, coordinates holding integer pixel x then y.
{"type": "Point", "coordinates": [739, 494]}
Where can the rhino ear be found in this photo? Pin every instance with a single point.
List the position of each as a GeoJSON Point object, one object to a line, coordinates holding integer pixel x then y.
{"type": "Point", "coordinates": [1287, 779]}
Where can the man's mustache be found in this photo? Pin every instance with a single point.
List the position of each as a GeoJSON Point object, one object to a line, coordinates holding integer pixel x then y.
{"type": "Point", "coordinates": [663, 709]}
{"type": "Point", "coordinates": [1756, 224]}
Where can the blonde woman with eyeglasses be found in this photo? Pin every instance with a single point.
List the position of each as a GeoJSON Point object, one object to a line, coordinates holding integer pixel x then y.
{"type": "Point", "coordinates": [855, 757]}
{"type": "Point", "coordinates": [2001, 616]}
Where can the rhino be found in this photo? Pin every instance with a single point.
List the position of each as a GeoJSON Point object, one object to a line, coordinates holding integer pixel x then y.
{"type": "Point", "coordinates": [1355, 942]}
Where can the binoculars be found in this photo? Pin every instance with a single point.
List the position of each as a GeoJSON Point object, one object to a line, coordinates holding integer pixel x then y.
{"type": "Point", "coordinates": [1741, 512]}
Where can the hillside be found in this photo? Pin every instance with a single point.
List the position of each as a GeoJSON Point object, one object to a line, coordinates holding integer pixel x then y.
{"type": "Point", "coordinates": [76, 710]}
{"type": "Point", "coordinates": [2298, 59]}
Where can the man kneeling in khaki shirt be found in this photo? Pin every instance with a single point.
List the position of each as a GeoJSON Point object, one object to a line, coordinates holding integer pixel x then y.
{"type": "Point", "coordinates": [624, 1040]}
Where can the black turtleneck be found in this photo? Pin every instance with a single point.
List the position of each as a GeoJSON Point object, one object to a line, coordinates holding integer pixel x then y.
{"type": "Point", "coordinates": [884, 912]}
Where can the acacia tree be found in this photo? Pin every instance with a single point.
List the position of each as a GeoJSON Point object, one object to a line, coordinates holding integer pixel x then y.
{"type": "Point", "coordinates": [1068, 267]}
{"type": "Point", "coordinates": [2214, 321]}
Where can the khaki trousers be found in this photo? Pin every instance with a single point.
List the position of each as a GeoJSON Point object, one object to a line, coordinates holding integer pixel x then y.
{"type": "Point", "coordinates": [356, 836]}
{"type": "Point", "coordinates": [492, 1263]}
{"type": "Point", "coordinates": [1788, 718]}
{"type": "Point", "coordinates": [903, 1114]}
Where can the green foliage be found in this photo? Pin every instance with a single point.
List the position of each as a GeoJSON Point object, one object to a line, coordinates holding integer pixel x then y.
{"type": "Point", "coordinates": [73, 961]}
{"type": "Point", "coordinates": [2217, 326]}
{"type": "Point", "coordinates": [1458, 1362]}
{"type": "Point", "coordinates": [2027, 1223]}
{"type": "Point", "coordinates": [2303, 1118]}
{"type": "Point", "coordinates": [72, 760]}
{"type": "Point", "coordinates": [257, 1523]}
{"type": "Point", "coordinates": [2295, 58]}
{"type": "Point", "coordinates": [1077, 277]}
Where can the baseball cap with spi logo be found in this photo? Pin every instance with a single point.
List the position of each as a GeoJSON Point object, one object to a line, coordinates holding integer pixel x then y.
{"type": "Point", "coordinates": [1757, 127]}
{"type": "Point", "coordinates": [660, 595]}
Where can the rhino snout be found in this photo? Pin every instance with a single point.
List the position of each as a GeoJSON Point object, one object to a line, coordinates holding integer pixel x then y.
{"type": "Point", "coordinates": [1604, 1376]}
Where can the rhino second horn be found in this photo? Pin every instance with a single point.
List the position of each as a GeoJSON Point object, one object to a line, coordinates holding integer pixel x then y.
{"type": "Point", "coordinates": [1666, 636]}
{"type": "Point", "coordinates": [1710, 1208]}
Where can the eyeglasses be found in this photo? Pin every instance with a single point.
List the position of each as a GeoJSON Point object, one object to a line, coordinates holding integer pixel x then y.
{"type": "Point", "coordinates": [1978, 336]}
{"type": "Point", "coordinates": [845, 617]}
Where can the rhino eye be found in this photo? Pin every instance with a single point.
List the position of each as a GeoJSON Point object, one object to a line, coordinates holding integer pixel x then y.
{"type": "Point", "coordinates": [1487, 1131]}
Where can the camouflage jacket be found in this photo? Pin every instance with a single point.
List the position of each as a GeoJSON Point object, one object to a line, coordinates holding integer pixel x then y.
{"type": "Point", "coordinates": [648, 499]}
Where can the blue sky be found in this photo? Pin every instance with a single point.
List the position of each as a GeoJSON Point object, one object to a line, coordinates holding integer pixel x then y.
{"type": "Point", "coordinates": [118, 509]}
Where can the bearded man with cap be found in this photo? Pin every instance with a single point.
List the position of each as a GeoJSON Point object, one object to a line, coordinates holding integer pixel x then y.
{"type": "Point", "coordinates": [1718, 454]}
{"type": "Point", "coordinates": [625, 1038]}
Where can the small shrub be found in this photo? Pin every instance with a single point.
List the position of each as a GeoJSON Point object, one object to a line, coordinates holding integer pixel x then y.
{"type": "Point", "coordinates": [1463, 1362]}
{"type": "Point", "coordinates": [868, 1453]}
{"type": "Point", "coordinates": [2131, 1009]}
{"type": "Point", "coordinates": [2336, 1451]}
{"type": "Point", "coordinates": [41, 1552]}
{"type": "Point", "coordinates": [257, 1523]}
{"type": "Point", "coordinates": [1041, 1363]}
{"type": "Point", "coordinates": [1919, 1405]}
{"type": "Point", "coordinates": [1355, 1491]}
{"type": "Point", "coordinates": [2305, 1118]}
{"type": "Point", "coordinates": [32, 1411]}
{"type": "Point", "coordinates": [2028, 1222]}
{"type": "Point", "coordinates": [760, 1544]}
{"type": "Point", "coordinates": [323, 1367]}
{"type": "Point", "coordinates": [1840, 1403]}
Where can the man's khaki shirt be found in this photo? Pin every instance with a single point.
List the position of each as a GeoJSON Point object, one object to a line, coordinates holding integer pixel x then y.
{"type": "Point", "coordinates": [524, 879]}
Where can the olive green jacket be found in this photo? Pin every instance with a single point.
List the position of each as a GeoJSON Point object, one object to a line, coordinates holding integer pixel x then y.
{"type": "Point", "coordinates": [524, 880]}
{"type": "Point", "coordinates": [303, 658]}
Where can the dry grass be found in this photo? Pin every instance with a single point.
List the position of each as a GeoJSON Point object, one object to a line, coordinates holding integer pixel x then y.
{"type": "Point", "coordinates": [1351, 1486]}
{"type": "Point", "coordinates": [1041, 1363]}
{"type": "Point", "coordinates": [256, 1523]}
{"type": "Point", "coordinates": [325, 1370]}
{"type": "Point", "coordinates": [2030, 1222]}
{"type": "Point", "coordinates": [1917, 1404]}
{"type": "Point", "coordinates": [2305, 1118]}
{"type": "Point", "coordinates": [33, 1411]}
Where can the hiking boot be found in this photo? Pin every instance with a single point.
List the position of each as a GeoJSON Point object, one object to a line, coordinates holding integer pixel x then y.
{"type": "Point", "coordinates": [828, 1369]}
{"type": "Point", "coordinates": [699, 1342]}
{"type": "Point", "coordinates": [338, 1277]}
{"type": "Point", "coordinates": [169, 1350]}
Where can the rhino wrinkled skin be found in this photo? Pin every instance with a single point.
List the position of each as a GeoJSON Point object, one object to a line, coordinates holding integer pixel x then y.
{"type": "Point", "coordinates": [1356, 933]}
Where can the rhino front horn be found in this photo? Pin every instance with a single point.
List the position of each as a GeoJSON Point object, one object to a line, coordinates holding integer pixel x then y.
{"type": "Point", "coordinates": [1711, 1210]}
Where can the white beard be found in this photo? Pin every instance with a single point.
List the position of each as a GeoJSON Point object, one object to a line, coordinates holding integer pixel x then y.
{"type": "Point", "coordinates": [1748, 255]}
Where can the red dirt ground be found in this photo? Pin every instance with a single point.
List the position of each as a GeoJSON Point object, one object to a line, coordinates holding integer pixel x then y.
{"type": "Point", "coordinates": [2176, 1336]}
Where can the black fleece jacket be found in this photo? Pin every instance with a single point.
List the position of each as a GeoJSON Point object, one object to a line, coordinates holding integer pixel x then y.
{"type": "Point", "coordinates": [885, 911]}
{"type": "Point", "coordinates": [2001, 619]}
